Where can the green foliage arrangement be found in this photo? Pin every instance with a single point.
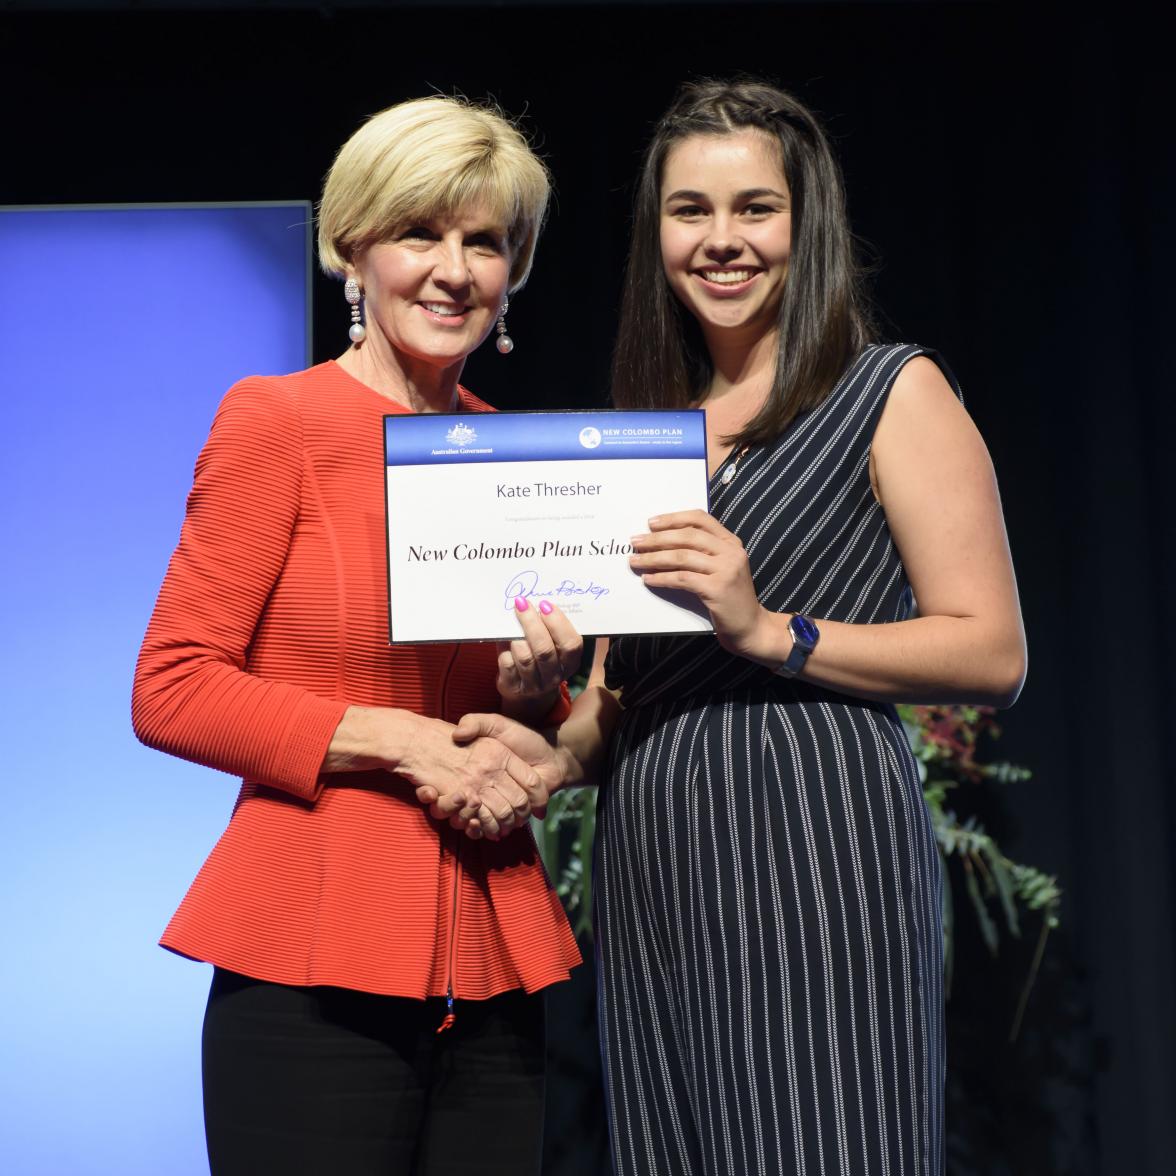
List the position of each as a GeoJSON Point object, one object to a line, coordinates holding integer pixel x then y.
{"type": "Point", "coordinates": [566, 837]}
{"type": "Point", "coordinates": [946, 742]}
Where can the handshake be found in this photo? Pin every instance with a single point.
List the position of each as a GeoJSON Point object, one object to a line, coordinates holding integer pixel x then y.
{"type": "Point", "coordinates": [487, 775]}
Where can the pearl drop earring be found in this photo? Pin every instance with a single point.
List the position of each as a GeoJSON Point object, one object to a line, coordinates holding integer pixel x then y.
{"type": "Point", "coordinates": [354, 295]}
{"type": "Point", "coordinates": [504, 343]}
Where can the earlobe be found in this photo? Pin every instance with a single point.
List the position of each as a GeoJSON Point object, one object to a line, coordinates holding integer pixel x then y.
{"type": "Point", "coordinates": [351, 259]}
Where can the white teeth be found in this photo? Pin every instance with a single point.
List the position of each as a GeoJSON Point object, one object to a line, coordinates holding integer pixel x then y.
{"type": "Point", "coordinates": [727, 277]}
{"type": "Point", "coordinates": [443, 308]}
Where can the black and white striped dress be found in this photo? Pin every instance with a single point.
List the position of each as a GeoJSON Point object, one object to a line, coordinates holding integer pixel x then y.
{"type": "Point", "coordinates": [767, 883]}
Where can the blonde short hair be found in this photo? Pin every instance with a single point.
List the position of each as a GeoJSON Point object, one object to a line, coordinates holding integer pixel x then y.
{"type": "Point", "coordinates": [430, 157]}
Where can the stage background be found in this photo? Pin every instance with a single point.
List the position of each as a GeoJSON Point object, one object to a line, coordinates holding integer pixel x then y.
{"type": "Point", "coordinates": [1011, 168]}
{"type": "Point", "coordinates": [112, 370]}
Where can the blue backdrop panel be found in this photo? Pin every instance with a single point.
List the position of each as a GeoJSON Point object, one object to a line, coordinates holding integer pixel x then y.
{"type": "Point", "coordinates": [120, 330]}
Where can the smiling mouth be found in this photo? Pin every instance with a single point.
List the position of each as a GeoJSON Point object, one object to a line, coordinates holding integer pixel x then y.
{"type": "Point", "coordinates": [727, 277]}
{"type": "Point", "coordinates": [445, 309]}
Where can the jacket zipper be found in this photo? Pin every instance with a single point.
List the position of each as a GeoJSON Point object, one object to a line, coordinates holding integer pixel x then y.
{"type": "Point", "coordinates": [451, 979]}
{"type": "Point", "coordinates": [450, 1015]}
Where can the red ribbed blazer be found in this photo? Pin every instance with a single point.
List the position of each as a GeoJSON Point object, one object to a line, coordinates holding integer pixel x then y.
{"type": "Point", "coordinates": [272, 619]}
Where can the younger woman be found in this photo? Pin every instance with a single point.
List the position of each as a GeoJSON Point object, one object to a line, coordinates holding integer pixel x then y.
{"type": "Point", "coordinates": [767, 882]}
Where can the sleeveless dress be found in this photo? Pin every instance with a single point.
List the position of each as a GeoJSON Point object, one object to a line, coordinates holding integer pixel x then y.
{"type": "Point", "coordinates": [767, 881]}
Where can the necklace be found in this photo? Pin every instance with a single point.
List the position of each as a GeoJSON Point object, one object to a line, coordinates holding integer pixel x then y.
{"type": "Point", "coordinates": [728, 475]}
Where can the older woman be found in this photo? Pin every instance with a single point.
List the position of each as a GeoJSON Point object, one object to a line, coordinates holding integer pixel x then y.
{"type": "Point", "coordinates": [767, 881]}
{"type": "Point", "coordinates": [347, 921]}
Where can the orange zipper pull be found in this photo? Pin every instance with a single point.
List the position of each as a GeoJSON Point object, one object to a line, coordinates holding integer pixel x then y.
{"type": "Point", "coordinates": [450, 1016]}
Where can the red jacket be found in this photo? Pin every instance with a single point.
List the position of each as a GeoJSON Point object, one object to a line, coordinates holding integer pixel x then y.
{"type": "Point", "coordinates": [272, 619]}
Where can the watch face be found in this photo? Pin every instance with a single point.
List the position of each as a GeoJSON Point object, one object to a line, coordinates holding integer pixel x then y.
{"type": "Point", "coordinates": [804, 630]}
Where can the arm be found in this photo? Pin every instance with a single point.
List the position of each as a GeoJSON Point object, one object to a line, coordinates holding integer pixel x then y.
{"type": "Point", "coordinates": [585, 735]}
{"type": "Point", "coordinates": [935, 482]}
{"type": "Point", "coordinates": [192, 696]}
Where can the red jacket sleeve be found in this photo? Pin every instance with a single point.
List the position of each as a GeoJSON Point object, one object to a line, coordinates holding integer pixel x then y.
{"type": "Point", "coordinates": [192, 696]}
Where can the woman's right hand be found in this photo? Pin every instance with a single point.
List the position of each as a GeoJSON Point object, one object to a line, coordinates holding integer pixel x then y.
{"type": "Point", "coordinates": [480, 786]}
{"type": "Point", "coordinates": [566, 756]}
{"type": "Point", "coordinates": [479, 780]}
{"type": "Point", "coordinates": [540, 750]}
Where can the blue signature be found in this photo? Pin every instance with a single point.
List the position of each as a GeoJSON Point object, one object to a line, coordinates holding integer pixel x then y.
{"type": "Point", "coordinates": [526, 585]}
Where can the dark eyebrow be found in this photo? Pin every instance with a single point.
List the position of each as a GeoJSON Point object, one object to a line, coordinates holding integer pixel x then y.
{"type": "Point", "coordinates": [746, 194]}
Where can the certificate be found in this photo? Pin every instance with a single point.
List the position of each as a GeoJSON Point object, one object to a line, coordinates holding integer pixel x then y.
{"type": "Point", "coordinates": [483, 508]}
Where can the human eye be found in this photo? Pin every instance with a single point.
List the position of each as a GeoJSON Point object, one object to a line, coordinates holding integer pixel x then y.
{"type": "Point", "coordinates": [486, 241]}
{"type": "Point", "coordinates": [687, 212]}
{"type": "Point", "coordinates": [416, 233]}
{"type": "Point", "coordinates": [759, 211]}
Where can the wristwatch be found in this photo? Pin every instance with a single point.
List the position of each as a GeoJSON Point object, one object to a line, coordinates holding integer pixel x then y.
{"type": "Point", "coordinates": [805, 636]}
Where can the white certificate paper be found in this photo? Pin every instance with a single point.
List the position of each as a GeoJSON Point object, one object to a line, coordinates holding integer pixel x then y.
{"type": "Point", "coordinates": [484, 508]}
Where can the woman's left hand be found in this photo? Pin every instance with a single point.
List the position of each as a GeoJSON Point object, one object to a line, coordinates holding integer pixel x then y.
{"type": "Point", "coordinates": [547, 654]}
{"type": "Point", "coordinates": [693, 551]}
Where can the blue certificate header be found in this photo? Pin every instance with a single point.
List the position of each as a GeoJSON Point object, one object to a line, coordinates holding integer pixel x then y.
{"type": "Point", "coordinates": [441, 438]}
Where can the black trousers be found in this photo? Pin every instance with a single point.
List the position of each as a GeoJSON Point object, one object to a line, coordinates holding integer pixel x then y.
{"type": "Point", "coordinates": [330, 1082]}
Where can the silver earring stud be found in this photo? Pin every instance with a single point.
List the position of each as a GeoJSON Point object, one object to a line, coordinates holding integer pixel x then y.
{"type": "Point", "coordinates": [504, 343]}
{"type": "Point", "coordinates": [354, 296]}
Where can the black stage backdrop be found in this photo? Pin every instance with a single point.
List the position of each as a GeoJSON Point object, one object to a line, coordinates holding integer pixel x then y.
{"type": "Point", "coordinates": [1012, 170]}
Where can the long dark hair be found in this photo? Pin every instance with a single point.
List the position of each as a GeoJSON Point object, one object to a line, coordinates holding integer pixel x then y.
{"type": "Point", "coordinates": [661, 359]}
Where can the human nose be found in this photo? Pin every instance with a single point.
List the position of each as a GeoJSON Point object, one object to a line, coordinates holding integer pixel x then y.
{"type": "Point", "coordinates": [451, 268]}
{"type": "Point", "coordinates": [722, 242]}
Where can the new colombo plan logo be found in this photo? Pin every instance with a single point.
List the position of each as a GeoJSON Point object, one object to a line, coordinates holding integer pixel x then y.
{"type": "Point", "coordinates": [461, 435]}
{"type": "Point", "coordinates": [589, 437]}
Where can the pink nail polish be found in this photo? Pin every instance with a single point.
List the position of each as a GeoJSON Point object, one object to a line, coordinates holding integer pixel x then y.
{"type": "Point", "coordinates": [521, 604]}
{"type": "Point", "coordinates": [545, 607]}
